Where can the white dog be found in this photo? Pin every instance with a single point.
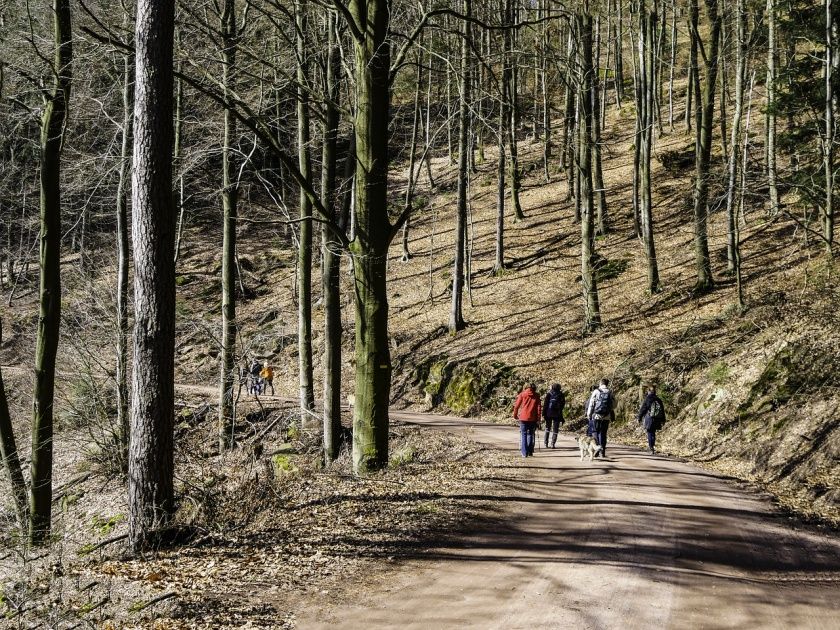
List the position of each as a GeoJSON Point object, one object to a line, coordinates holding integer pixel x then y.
{"type": "Point", "coordinates": [587, 446]}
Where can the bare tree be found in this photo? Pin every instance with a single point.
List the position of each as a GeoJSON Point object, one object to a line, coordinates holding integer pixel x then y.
{"type": "Point", "coordinates": [150, 463]}
{"type": "Point", "coordinates": [9, 453]}
{"type": "Point", "coordinates": [456, 317]}
{"type": "Point", "coordinates": [53, 124]}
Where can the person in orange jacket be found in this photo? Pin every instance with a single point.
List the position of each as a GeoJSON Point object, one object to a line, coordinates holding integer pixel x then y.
{"type": "Point", "coordinates": [267, 376]}
{"type": "Point", "coordinates": [527, 410]}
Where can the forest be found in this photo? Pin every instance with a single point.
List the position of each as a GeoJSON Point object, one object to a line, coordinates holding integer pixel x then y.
{"type": "Point", "coordinates": [394, 213]}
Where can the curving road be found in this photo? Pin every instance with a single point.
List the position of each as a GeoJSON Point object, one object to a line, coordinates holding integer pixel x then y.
{"type": "Point", "coordinates": [636, 541]}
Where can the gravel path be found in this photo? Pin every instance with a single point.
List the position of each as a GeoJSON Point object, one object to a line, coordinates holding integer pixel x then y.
{"type": "Point", "coordinates": [634, 541]}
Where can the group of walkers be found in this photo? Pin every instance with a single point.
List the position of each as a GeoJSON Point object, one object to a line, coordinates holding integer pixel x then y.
{"type": "Point", "coordinates": [258, 378]}
{"type": "Point", "coordinates": [529, 410]}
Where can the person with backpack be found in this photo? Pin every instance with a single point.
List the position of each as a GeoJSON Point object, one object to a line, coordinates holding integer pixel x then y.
{"type": "Point", "coordinates": [652, 415]}
{"type": "Point", "coordinates": [526, 409]}
{"type": "Point", "coordinates": [254, 373]}
{"type": "Point", "coordinates": [600, 410]}
{"type": "Point", "coordinates": [552, 413]}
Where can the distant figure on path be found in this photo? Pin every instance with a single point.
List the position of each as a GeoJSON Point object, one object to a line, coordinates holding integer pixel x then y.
{"type": "Point", "coordinates": [254, 373]}
{"type": "Point", "coordinates": [526, 409]}
{"type": "Point", "coordinates": [552, 412]}
{"type": "Point", "coordinates": [652, 415]}
{"type": "Point", "coordinates": [600, 411]}
{"type": "Point", "coordinates": [267, 376]}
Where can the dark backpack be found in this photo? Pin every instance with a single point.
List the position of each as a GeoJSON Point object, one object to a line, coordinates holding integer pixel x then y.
{"type": "Point", "coordinates": [603, 403]}
{"type": "Point", "coordinates": [657, 412]}
{"type": "Point", "coordinates": [554, 405]}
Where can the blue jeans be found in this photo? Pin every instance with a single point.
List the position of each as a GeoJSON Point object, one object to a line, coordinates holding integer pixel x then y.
{"type": "Point", "coordinates": [651, 438]}
{"type": "Point", "coordinates": [526, 437]}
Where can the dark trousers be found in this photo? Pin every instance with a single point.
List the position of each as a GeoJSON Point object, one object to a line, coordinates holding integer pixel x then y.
{"type": "Point", "coordinates": [651, 433]}
{"type": "Point", "coordinates": [527, 430]}
{"type": "Point", "coordinates": [552, 426]}
{"type": "Point", "coordinates": [600, 434]}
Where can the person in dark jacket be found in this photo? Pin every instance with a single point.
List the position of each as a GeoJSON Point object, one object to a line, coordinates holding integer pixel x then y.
{"type": "Point", "coordinates": [552, 413]}
{"type": "Point", "coordinates": [526, 409]}
{"type": "Point", "coordinates": [600, 411]}
{"type": "Point", "coordinates": [652, 415]}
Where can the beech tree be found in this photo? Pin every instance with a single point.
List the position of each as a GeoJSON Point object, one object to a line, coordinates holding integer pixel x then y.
{"type": "Point", "coordinates": [53, 124]}
{"type": "Point", "coordinates": [589, 282]}
{"type": "Point", "coordinates": [709, 52]}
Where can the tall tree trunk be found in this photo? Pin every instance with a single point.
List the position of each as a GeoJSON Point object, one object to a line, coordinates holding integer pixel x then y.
{"type": "Point", "coordinates": [830, 104]}
{"type": "Point", "coordinates": [592, 311]}
{"type": "Point", "coordinates": [373, 235]}
{"type": "Point", "coordinates": [735, 143]}
{"type": "Point", "coordinates": [771, 107]}
{"type": "Point", "coordinates": [619, 54]}
{"type": "Point", "coordinates": [597, 171]}
{"type": "Point", "coordinates": [704, 144]}
{"type": "Point", "coordinates": [412, 155]}
{"type": "Point", "coordinates": [499, 264]}
{"type": "Point", "coordinates": [151, 461]}
{"type": "Point", "coordinates": [330, 254]}
{"type": "Point", "coordinates": [672, 65]}
{"type": "Point", "coordinates": [511, 97]}
{"type": "Point", "coordinates": [53, 123]}
{"type": "Point", "coordinates": [307, 389]}
{"type": "Point", "coordinates": [230, 193]}
{"type": "Point", "coordinates": [123, 254]}
{"type": "Point", "coordinates": [647, 81]}
{"type": "Point", "coordinates": [9, 453]}
{"type": "Point", "coordinates": [456, 317]}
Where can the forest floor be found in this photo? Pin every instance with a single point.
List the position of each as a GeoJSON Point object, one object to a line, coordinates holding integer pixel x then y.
{"type": "Point", "coordinates": [260, 529]}
{"type": "Point", "coordinates": [265, 517]}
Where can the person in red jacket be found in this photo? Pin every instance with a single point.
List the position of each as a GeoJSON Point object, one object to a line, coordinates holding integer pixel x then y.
{"type": "Point", "coordinates": [527, 410]}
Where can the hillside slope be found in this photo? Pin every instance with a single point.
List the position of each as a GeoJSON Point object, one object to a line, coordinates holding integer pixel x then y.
{"type": "Point", "coordinates": [752, 394]}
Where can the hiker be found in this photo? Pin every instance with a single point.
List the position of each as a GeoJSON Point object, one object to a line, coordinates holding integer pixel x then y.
{"type": "Point", "coordinates": [254, 373]}
{"type": "Point", "coordinates": [267, 376]}
{"type": "Point", "coordinates": [652, 415]}
{"type": "Point", "coordinates": [600, 410]}
{"type": "Point", "coordinates": [526, 409]}
{"type": "Point", "coordinates": [552, 412]}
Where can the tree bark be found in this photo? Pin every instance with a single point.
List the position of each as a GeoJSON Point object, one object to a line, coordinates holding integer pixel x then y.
{"type": "Point", "coordinates": [592, 311]}
{"type": "Point", "coordinates": [597, 171]}
{"type": "Point", "coordinates": [330, 255]}
{"type": "Point", "coordinates": [735, 142]}
{"type": "Point", "coordinates": [412, 155]}
{"type": "Point", "coordinates": [307, 389]}
{"type": "Point", "coordinates": [513, 119]}
{"type": "Point", "coordinates": [230, 194]}
{"type": "Point", "coordinates": [53, 123]}
{"type": "Point", "coordinates": [456, 317]}
{"type": "Point", "coordinates": [150, 463]}
{"type": "Point", "coordinates": [647, 70]}
{"type": "Point", "coordinates": [123, 254]}
{"type": "Point", "coordinates": [830, 104]}
{"type": "Point", "coordinates": [704, 144]}
{"type": "Point", "coordinates": [771, 107]}
{"type": "Point", "coordinates": [373, 235]}
{"type": "Point", "coordinates": [9, 452]}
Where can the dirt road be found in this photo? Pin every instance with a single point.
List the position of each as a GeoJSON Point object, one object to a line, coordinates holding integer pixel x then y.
{"type": "Point", "coordinates": [636, 541]}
